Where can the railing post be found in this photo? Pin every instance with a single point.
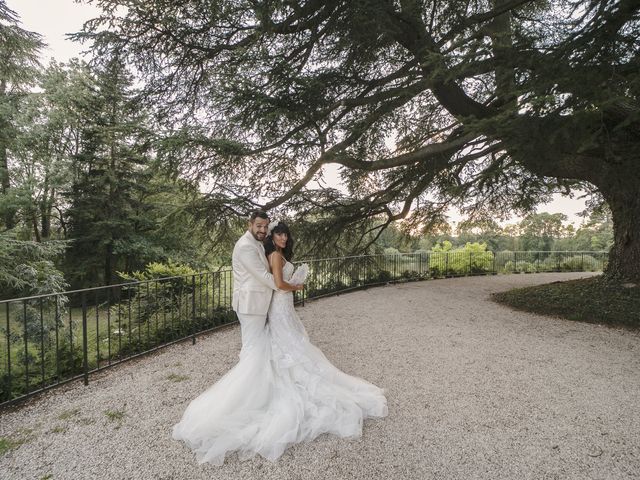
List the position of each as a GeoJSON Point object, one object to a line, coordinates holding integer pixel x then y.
{"type": "Point", "coordinates": [26, 345]}
{"type": "Point", "coordinates": [446, 264]}
{"type": "Point", "coordinates": [9, 379]}
{"type": "Point", "coordinates": [395, 268]}
{"type": "Point", "coordinates": [193, 309]}
{"type": "Point", "coordinates": [85, 355]}
{"type": "Point", "coordinates": [42, 341]}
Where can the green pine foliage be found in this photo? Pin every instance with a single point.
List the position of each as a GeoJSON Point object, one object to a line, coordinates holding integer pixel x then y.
{"type": "Point", "coordinates": [27, 267]}
{"type": "Point", "coordinates": [488, 107]}
{"type": "Point", "coordinates": [84, 173]}
{"type": "Point", "coordinates": [19, 50]}
{"type": "Point", "coordinates": [107, 217]}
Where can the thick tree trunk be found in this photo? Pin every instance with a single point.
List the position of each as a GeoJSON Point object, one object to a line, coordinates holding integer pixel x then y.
{"type": "Point", "coordinates": [500, 32]}
{"type": "Point", "coordinates": [36, 232]}
{"type": "Point", "coordinates": [624, 257]}
{"type": "Point", "coordinates": [611, 165]}
{"type": "Point", "coordinates": [45, 220]}
{"type": "Point", "coordinates": [5, 183]}
{"type": "Point", "coordinates": [46, 206]}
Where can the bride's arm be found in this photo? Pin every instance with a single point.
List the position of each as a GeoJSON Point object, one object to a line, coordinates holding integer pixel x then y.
{"type": "Point", "coordinates": [277, 264]}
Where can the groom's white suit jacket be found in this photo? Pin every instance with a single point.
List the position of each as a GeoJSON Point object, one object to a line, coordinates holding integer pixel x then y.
{"type": "Point", "coordinates": [253, 285]}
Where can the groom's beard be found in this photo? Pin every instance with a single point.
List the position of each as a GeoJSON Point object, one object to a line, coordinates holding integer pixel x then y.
{"type": "Point", "coordinates": [259, 236]}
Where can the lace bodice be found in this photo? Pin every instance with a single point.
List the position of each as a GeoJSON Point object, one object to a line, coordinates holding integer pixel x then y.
{"type": "Point", "coordinates": [287, 271]}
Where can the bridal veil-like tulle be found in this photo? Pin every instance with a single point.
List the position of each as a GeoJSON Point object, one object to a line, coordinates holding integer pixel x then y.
{"type": "Point", "coordinates": [282, 391]}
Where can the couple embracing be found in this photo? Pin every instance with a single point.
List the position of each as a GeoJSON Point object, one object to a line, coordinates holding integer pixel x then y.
{"type": "Point", "coordinates": [283, 390]}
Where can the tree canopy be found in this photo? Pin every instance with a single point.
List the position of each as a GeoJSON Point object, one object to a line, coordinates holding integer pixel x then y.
{"type": "Point", "coordinates": [19, 49]}
{"type": "Point", "coordinates": [81, 198]}
{"type": "Point", "coordinates": [490, 106]}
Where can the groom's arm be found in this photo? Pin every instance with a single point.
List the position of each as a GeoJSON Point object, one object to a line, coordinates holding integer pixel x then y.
{"type": "Point", "coordinates": [251, 261]}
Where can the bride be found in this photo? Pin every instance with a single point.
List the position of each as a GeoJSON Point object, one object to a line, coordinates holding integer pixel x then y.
{"type": "Point", "coordinates": [283, 390]}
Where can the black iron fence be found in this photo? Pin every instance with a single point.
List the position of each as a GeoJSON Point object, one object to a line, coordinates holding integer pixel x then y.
{"type": "Point", "coordinates": [327, 276]}
{"type": "Point", "coordinates": [48, 340]}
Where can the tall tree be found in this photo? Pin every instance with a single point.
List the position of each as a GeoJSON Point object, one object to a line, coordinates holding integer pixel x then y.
{"type": "Point", "coordinates": [485, 230]}
{"type": "Point", "coordinates": [106, 218]}
{"type": "Point", "coordinates": [596, 233]}
{"type": "Point", "coordinates": [486, 105]}
{"type": "Point", "coordinates": [539, 230]}
{"type": "Point", "coordinates": [48, 128]}
{"type": "Point", "coordinates": [19, 64]}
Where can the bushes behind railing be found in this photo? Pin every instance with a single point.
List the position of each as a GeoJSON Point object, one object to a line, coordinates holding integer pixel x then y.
{"type": "Point", "coordinates": [51, 339]}
{"type": "Point", "coordinates": [47, 340]}
{"type": "Point", "coordinates": [327, 276]}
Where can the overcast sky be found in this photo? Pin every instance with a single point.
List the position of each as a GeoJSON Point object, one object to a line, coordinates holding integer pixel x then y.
{"type": "Point", "coordinates": [55, 18]}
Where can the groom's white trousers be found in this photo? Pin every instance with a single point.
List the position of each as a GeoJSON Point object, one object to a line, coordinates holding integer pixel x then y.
{"type": "Point", "coordinates": [252, 328]}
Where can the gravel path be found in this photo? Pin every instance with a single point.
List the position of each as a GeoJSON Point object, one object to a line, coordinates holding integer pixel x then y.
{"type": "Point", "coordinates": [475, 390]}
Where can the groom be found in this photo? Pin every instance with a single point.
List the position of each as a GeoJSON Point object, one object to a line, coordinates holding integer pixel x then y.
{"type": "Point", "coordinates": [253, 284]}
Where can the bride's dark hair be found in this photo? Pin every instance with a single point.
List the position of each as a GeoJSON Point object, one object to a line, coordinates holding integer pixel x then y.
{"type": "Point", "coordinates": [269, 246]}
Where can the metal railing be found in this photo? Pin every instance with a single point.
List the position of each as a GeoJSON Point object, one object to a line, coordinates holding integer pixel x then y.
{"type": "Point", "coordinates": [327, 276]}
{"type": "Point", "coordinates": [48, 340]}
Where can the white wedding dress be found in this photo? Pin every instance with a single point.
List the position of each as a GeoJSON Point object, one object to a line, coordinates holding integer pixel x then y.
{"type": "Point", "coordinates": [282, 391]}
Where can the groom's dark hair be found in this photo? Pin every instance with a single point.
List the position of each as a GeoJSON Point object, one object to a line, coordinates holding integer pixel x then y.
{"type": "Point", "coordinates": [258, 213]}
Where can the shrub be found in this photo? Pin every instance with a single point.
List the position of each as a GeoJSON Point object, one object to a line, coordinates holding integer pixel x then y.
{"type": "Point", "coordinates": [472, 258]}
{"type": "Point", "coordinates": [66, 363]}
{"type": "Point", "coordinates": [579, 263]}
{"type": "Point", "coordinates": [519, 267]}
{"type": "Point", "coordinates": [410, 275]}
{"type": "Point", "coordinates": [383, 276]}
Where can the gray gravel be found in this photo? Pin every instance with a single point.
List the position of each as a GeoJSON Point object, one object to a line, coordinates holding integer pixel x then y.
{"type": "Point", "coordinates": [475, 390]}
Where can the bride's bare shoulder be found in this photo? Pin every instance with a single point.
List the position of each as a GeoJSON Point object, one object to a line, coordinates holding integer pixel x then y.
{"type": "Point", "coordinates": [275, 257]}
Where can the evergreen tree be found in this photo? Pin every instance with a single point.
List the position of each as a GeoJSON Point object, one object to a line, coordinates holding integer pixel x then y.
{"type": "Point", "coordinates": [493, 106]}
{"type": "Point", "coordinates": [28, 268]}
{"type": "Point", "coordinates": [19, 50]}
{"type": "Point", "coordinates": [107, 220]}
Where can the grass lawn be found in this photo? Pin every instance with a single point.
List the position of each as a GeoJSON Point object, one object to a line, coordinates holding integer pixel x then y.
{"type": "Point", "coordinates": [585, 300]}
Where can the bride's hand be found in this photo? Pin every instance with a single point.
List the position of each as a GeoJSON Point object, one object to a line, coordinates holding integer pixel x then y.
{"type": "Point", "coordinates": [299, 286]}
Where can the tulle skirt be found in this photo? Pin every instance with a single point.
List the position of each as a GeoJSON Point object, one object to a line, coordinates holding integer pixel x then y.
{"type": "Point", "coordinates": [282, 391]}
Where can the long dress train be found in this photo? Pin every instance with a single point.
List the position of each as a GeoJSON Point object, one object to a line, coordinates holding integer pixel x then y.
{"type": "Point", "coordinates": [282, 391]}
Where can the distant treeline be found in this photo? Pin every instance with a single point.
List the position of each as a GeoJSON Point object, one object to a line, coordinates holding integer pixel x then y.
{"type": "Point", "coordinates": [536, 232]}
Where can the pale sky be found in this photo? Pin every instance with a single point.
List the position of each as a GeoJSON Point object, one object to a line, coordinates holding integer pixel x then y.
{"type": "Point", "coordinates": [55, 18]}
